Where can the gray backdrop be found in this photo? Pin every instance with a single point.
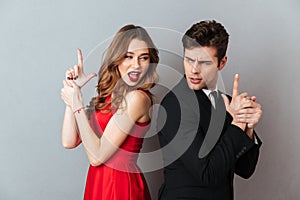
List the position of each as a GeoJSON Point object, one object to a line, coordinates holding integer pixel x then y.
{"type": "Point", "coordinates": [38, 41]}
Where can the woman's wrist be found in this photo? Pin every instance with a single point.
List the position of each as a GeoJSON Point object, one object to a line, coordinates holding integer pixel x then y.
{"type": "Point", "coordinates": [78, 110]}
{"type": "Point", "coordinates": [78, 106]}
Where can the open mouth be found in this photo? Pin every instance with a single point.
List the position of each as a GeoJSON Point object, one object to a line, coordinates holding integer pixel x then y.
{"type": "Point", "coordinates": [134, 76]}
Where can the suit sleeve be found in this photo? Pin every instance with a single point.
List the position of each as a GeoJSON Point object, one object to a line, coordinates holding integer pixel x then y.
{"type": "Point", "coordinates": [181, 134]}
{"type": "Point", "coordinates": [246, 164]}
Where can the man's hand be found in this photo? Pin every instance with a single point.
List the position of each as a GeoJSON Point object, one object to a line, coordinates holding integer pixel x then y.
{"type": "Point", "coordinates": [251, 114]}
{"type": "Point", "coordinates": [245, 112]}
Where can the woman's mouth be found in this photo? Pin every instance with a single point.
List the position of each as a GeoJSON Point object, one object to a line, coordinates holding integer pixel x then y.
{"type": "Point", "coordinates": [134, 76]}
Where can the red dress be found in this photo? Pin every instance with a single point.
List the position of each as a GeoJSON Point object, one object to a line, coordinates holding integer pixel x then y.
{"type": "Point", "coordinates": [120, 177]}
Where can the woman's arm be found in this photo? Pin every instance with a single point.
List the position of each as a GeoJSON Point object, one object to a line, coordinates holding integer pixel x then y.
{"type": "Point", "coordinates": [101, 149]}
{"type": "Point", "coordinates": [70, 136]}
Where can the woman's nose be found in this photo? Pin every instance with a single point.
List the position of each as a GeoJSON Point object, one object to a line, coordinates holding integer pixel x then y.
{"type": "Point", "coordinates": [136, 63]}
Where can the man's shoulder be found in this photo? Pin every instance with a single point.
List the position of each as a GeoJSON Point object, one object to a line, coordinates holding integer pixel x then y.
{"type": "Point", "coordinates": [180, 92]}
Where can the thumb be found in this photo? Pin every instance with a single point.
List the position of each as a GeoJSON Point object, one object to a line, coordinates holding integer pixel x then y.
{"type": "Point", "coordinates": [227, 105]}
{"type": "Point", "coordinates": [226, 101]}
{"type": "Point", "coordinates": [90, 76]}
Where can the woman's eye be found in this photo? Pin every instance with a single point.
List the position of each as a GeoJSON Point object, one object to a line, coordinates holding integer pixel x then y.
{"type": "Point", "coordinates": [144, 58]}
{"type": "Point", "coordinates": [127, 56]}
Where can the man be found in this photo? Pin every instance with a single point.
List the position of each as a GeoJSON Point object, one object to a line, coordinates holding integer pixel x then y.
{"type": "Point", "coordinates": [206, 139]}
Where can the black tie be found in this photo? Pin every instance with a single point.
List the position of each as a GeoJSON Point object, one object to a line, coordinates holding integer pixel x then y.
{"type": "Point", "coordinates": [213, 98]}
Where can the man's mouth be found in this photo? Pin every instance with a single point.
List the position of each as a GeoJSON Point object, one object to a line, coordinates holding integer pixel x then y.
{"type": "Point", "coordinates": [195, 80]}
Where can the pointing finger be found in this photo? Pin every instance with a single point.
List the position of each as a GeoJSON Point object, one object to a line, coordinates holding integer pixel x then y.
{"type": "Point", "coordinates": [79, 56]}
{"type": "Point", "coordinates": [235, 90]}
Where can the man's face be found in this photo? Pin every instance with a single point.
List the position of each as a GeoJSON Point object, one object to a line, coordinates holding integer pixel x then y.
{"type": "Point", "coordinates": [201, 67]}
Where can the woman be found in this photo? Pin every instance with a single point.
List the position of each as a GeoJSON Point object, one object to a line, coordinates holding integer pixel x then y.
{"type": "Point", "coordinates": [113, 137]}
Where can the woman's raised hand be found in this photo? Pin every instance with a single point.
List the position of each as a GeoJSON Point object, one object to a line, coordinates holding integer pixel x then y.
{"type": "Point", "coordinates": [77, 74]}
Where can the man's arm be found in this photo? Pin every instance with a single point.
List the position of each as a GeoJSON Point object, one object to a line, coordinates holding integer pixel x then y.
{"type": "Point", "coordinates": [246, 164]}
{"type": "Point", "coordinates": [184, 139]}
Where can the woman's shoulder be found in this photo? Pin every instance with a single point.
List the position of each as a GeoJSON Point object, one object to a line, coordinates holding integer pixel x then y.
{"type": "Point", "coordinates": [139, 97]}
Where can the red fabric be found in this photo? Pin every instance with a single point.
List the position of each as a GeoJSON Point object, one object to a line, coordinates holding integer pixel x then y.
{"type": "Point", "coordinates": [120, 177]}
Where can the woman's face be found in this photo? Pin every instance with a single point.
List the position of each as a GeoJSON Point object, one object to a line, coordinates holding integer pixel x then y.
{"type": "Point", "coordinates": [136, 62]}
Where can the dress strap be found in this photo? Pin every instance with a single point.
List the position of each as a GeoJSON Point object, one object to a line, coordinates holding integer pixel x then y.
{"type": "Point", "coordinates": [148, 93]}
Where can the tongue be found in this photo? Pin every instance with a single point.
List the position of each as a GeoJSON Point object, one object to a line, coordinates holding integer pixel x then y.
{"type": "Point", "coordinates": [133, 77]}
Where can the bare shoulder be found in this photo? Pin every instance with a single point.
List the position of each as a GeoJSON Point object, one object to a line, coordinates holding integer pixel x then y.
{"type": "Point", "coordinates": [138, 104]}
{"type": "Point", "coordinates": [138, 98]}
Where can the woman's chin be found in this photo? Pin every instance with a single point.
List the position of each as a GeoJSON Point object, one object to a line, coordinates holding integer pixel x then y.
{"type": "Point", "coordinates": [131, 83]}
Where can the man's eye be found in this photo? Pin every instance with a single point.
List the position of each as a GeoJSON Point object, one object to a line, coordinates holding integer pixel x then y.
{"type": "Point", "coordinates": [207, 63]}
{"type": "Point", "coordinates": [190, 60]}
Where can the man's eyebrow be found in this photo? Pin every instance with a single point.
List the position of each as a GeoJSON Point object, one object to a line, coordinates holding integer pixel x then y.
{"type": "Point", "coordinates": [205, 61]}
{"type": "Point", "coordinates": [189, 58]}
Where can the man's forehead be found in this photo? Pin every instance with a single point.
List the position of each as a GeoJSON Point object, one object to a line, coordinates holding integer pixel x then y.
{"type": "Point", "coordinates": [200, 53]}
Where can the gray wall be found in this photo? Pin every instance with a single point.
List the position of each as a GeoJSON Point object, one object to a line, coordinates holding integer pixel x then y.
{"type": "Point", "coordinates": [38, 41]}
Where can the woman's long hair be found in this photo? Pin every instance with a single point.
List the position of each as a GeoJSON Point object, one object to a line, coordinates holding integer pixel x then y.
{"type": "Point", "coordinates": [110, 80]}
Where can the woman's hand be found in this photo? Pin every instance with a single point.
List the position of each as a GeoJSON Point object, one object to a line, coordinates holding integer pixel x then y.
{"type": "Point", "coordinates": [77, 74]}
{"type": "Point", "coordinates": [72, 95]}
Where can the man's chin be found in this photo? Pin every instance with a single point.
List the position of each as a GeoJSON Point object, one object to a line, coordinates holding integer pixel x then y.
{"type": "Point", "coordinates": [195, 86]}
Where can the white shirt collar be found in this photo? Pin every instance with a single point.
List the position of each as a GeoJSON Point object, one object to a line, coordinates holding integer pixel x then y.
{"type": "Point", "coordinates": [207, 92]}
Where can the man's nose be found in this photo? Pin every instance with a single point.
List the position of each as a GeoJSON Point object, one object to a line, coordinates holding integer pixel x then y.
{"type": "Point", "coordinates": [195, 68]}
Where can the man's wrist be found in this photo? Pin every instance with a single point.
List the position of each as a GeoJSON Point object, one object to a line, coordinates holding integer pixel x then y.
{"type": "Point", "coordinates": [240, 125]}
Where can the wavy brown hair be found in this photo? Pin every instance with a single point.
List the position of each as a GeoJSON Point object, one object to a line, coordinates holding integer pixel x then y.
{"type": "Point", "coordinates": [110, 80]}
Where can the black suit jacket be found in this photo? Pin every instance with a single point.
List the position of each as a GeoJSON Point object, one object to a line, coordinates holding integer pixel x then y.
{"type": "Point", "coordinates": [182, 125]}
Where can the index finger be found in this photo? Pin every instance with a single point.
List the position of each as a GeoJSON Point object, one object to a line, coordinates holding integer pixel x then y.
{"type": "Point", "coordinates": [235, 89]}
{"type": "Point", "coordinates": [79, 56]}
